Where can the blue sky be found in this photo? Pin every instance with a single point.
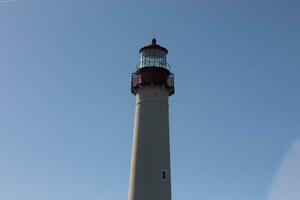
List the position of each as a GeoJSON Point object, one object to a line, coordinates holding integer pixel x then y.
{"type": "Point", "coordinates": [66, 111]}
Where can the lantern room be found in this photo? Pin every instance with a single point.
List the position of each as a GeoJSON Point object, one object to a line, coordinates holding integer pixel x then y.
{"type": "Point", "coordinates": [153, 55]}
{"type": "Point", "coordinates": [152, 69]}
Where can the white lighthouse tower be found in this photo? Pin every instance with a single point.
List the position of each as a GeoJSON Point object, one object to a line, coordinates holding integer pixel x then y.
{"type": "Point", "coordinates": [152, 83]}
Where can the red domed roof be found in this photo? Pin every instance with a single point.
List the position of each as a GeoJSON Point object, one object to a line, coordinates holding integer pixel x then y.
{"type": "Point", "coordinates": [153, 45]}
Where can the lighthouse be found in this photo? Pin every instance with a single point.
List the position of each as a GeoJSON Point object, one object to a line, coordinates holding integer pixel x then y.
{"type": "Point", "coordinates": [152, 83]}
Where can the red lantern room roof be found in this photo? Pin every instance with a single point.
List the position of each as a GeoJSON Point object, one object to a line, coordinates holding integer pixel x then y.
{"type": "Point", "coordinates": [153, 45]}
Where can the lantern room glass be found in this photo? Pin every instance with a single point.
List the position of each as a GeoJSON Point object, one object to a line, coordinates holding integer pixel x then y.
{"type": "Point", "coordinates": [153, 61]}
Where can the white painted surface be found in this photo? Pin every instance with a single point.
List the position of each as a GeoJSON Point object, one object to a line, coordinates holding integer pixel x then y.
{"type": "Point", "coordinates": [151, 148]}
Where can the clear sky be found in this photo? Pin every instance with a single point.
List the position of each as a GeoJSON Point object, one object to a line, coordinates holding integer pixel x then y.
{"type": "Point", "coordinates": [66, 111]}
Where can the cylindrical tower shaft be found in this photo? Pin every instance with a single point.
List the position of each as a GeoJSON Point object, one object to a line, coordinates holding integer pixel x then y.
{"type": "Point", "coordinates": [150, 163]}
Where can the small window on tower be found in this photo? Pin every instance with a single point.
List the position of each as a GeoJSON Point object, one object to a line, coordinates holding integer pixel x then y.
{"type": "Point", "coordinates": [164, 174]}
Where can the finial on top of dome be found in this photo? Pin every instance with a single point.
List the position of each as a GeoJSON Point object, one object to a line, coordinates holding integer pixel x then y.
{"type": "Point", "coordinates": [153, 41]}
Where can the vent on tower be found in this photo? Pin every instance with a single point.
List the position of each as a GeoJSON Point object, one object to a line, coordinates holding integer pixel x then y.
{"type": "Point", "coordinates": [164, 175]}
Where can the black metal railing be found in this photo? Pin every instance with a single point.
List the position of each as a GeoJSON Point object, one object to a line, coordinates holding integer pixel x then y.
{"type": "Point", "coordinates": [170, 80]}
{"type": "Point", "coordinates": [135, 80]}
{"type": "Point", "coordinates": [142, 79]}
